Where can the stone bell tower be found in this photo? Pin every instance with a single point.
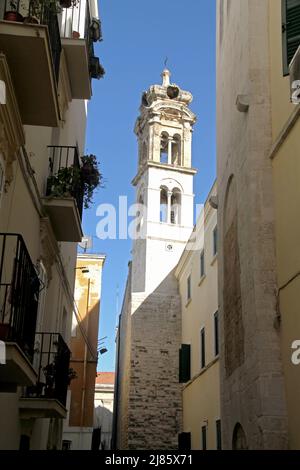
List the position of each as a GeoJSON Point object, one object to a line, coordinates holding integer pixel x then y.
{"type": "Point", "coordinates": [148, 398]}
{"type": "Point", "coordinates": [164, 182]}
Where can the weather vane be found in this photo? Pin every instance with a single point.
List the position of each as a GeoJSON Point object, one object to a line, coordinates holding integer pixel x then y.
{"type": "Point", "coordinates": [166, 61]}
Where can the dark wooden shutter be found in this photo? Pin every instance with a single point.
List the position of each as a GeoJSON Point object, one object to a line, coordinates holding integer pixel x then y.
{"type": "Point", "coordinates": [184, 363]}
{"type": "Point", "coordinates": [204, 443]}
{"type": "Point", "coordinates": [184, 441]}
{"type": "Point", "coordinates": [218, 433]}
{"type": "Point", "coordinates": [290, 31]}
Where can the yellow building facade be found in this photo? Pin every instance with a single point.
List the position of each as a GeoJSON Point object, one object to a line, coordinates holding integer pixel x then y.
{"type": "Point", "coordinates": [198, 285]}
{"type": "Point", "coordinates": [285, 156]}
{"type": "Point", "coordinates": [84, 349]}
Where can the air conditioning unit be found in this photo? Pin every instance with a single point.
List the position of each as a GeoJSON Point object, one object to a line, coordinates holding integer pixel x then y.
{"type": "Point", "coordinates": [295, 77]}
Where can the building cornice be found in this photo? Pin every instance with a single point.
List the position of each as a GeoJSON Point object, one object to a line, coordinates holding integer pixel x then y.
{"type": "Point", "coordinates": [152, 164]}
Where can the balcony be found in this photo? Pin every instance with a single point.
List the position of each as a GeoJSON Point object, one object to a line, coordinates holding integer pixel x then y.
{"type": "Point", "coordinates": [32, 48]}
{"type": "Point", "coordinates": [78, 32]}
{"type": "Point", "coordinates": [64, 194]}
{"type": "Point", "coordinates": [47, 399]}
{"type": "Point", "coordinates": [19, 294]}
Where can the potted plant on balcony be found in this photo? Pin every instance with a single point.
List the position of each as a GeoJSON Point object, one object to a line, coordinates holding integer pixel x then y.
{"type": "Point", "coordinates": [11, 12]}
{"type": "Point", "coordinates": [91, 177]}
{"type": "Point", "coordinates": [67, 180]}
{"type": "Point", "coordinates": [63, 183]}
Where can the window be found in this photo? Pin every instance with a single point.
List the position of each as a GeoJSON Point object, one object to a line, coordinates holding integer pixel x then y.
{"type": "Point", "coordinates": [176, 150]}
{"type": "Point", "coordinates": [163, 205]}
{"type": "Point", "coordinates": [164, 143]}
{"type": "Point", "coordinates": [216, 329]}
{"type": "Point", "coordinates": [215, 241]}
{"type": "Point", "coordinates": [202, 264]}
{"type": "Point", "coordinates": [189, 288]}
{"type": "Point", "coordinates": [218, 435]}
{"type": "Point", "coordinates": [66, 445]}
{"type": "Point", "coordinates": [290, 31]}
{"type": "Point", "coordinates": [175, 206]}
{"type": "Point", "coordinates": [202, 347]}
{"type": "Point", "coordinates": [184, 441]}
{"type": "Point", "coordinates": [203, 432]}
{"type": "Point", "coordinates": [184, 363]}
{"type": "Point", "coordinates": [24, 442]}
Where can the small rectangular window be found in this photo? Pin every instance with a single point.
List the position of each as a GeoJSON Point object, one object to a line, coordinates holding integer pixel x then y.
{"type": "Point", "coordinates": [185, 363]}
{"type": "Point", "coordinates": [216, 330]}
{"type": "Point", "coordinates": [184, 441]}
{"type": "Point", "coordinates": [202, 347]}
{"type": "Point", "coordinates": [218, 435]}
{"type": "Point", "coordinates": [66, 445]}
{"type": "Point", "coordinates": [202, 264]}
{"type": "Point", "coordinates": [189, 288]}
{"type": "Point", "coordinates": [215, 241]}
{"type": "Point", "coordinates": [203, 432]}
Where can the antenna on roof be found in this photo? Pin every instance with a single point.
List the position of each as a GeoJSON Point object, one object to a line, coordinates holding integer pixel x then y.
{"type": "Point", "coordinates": [86, 243]}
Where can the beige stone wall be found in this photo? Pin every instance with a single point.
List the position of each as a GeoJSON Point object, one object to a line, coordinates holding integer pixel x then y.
{"type": "Point", "coordinates": [252, 392]}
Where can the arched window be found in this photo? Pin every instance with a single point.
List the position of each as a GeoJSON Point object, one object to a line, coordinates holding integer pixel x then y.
{"type": "Point", "coordinates": [176, 150]}
{"type": "Point", "coordinates": [239, 440]}
{"type": "Point", "coordinates": [164, 147]}
{"type": "Point", "coordinates": [163, 204]}
{"type": "Point", "coordinates": [175, 206]}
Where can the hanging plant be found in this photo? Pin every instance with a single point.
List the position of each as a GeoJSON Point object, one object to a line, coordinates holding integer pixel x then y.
{"type": "Point", "coordinates": [91, 177]}
{"type": "Point", "coordinates": [69, 181]}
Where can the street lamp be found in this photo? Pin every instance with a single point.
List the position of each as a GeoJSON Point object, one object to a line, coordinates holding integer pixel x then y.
{"type": "Point", "coordinates": [84, 269]}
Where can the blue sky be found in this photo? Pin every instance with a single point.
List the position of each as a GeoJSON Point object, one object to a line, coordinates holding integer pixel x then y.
{"type": "Point", "coordinates": [137, 36]}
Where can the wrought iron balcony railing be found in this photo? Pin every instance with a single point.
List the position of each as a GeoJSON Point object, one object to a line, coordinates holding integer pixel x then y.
{"type": "Point", "coordinates": [36, 12]}
{"type": "Point", "coordinates": [64, 175]}
{"type": "Point", "coordinates": [51, 361]}
{"type": "Point", "coordinates": [19, 293]}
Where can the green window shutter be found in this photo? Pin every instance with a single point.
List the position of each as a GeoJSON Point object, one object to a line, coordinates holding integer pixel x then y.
{"type": "Point", "coordinates": [184, 441]}
{"type": "Point", "coordinates": [184, 363]}
{"type": "Point", "coordinates": [290, 31]}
